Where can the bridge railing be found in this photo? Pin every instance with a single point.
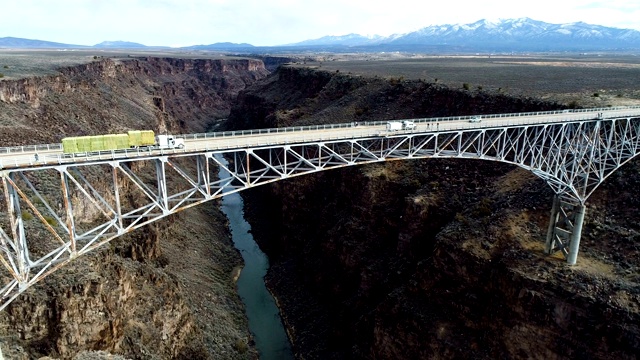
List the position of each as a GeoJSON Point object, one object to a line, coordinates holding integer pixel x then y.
{"type": "Point", "coordinates": [234, 139]}
{"type": "Point", "coordinates": [30, 148]}
{"type": "Point", "coordinates": [44, 159]}
{"type": "Point", "coordinates": [415, 120]}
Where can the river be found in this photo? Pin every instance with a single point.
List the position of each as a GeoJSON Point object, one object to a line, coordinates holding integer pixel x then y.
{"type": "Point", "coordinates": [264, 316]}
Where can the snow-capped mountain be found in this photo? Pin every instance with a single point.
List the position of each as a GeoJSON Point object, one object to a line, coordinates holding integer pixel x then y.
{"type": "Point", "coordinates": [523, 32]}
{"type": "Point", "coordinates": [507, 34]}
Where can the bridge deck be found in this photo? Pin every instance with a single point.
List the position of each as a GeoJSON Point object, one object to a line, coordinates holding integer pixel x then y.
{"type": "Point", "coordinates": [51, 193]}
{"type": "Point", "coordinates": [51, 154]}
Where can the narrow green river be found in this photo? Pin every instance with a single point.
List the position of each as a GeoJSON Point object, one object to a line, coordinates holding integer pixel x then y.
{"type": "Point", "coordinates": [264, 316]}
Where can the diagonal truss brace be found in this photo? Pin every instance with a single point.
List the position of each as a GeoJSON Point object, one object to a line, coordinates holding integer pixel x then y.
{"type": "Point", "coordinates": [572, 157]}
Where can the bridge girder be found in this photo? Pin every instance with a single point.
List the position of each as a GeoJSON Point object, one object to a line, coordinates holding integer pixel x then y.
{"type": "Point", "coordinates": [87, 206]}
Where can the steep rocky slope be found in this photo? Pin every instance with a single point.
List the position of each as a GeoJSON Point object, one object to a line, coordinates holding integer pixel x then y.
{"type": "Point", "coordinates": [423, 259]}
{"type": "Point", "coordinates": [139, 297]}
{"type": "Point", "coordinates": [434, 259]}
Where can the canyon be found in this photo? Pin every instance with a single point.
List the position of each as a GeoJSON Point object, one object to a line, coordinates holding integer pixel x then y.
{"type": "Point", "coordinates": [139, 297]}
{"type": "Point", "coordinates": [413, 259]}
{"type": "Point", "coordinates": [434, 258]}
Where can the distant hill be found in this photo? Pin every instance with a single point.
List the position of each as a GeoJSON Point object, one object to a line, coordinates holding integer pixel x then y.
{"type": "Point", "coordinates": [18, 43]}
{"type": "Point", "coordinates": [222, 46]}
{"type": "Point", "coordinates": [119, 45]}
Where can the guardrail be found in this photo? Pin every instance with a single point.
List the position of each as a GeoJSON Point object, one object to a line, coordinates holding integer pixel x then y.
{"type": "Point", "coordinates": [235, 142]}
{"type": "Point", "coordinates": [30, 148]}
{"type": "Point", "coordinates": [416, 120]}
{"type": "Point", "coordinates": [423, 124]}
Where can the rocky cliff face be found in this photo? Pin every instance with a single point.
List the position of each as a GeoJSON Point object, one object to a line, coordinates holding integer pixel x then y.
{"type": "Point", "coordinates": [140, 296]}
{"type": "Point", "coordinates": [434, 259]}
{"type": "Point", "coordinates": [110, 95]}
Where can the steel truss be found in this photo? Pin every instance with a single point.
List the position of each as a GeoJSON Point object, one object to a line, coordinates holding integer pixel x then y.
{"type": "Point", "coordinates": [55, 213]}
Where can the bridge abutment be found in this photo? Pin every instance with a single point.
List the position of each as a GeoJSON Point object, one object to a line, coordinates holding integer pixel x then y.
{"type": "Point", "coordinates": [565, 228]}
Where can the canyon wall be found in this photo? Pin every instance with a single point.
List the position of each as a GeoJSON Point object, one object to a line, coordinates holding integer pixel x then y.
{"type": "Point", "coordinates": [406, 259]}
{"type": "Point", "coordinates": [138, 297]}
{"type": "Point", "coordinates": [434, 258]}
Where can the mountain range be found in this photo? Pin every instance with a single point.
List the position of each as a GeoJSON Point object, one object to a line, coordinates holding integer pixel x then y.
{"type": "Point", "coordinates": [521, 34]}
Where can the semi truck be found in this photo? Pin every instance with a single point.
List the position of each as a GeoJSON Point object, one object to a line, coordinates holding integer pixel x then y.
{"type": "Point", "coordinates": [135, 139]}
{"type": "Point", "coordinates": [169, 142]}
{"type": "Point", "coordinates": [400, 125]}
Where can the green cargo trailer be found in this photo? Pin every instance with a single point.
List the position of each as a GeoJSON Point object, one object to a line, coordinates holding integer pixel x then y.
{"type": "Point", "coordinates": [76, 144]}
{"type": "Point", "coordinates": [116, 141]}
{"type": "Point", "coordinates": [138, 138]}
{"type": "Point", "coordinates": [148, 138]}
{"type": "Point", "coordinates": [135, 138]}
{"type": "Point", "coordinates": [86, 144]}
{"type": "Point", "coordinates": [70, 145]}
{"type": "Point", "coordinates": [97, 143]}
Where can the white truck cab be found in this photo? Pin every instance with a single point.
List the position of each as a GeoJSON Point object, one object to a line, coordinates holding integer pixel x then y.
{"type": "Point", "coordinates": [408, 125]}
{"type": "Point", "coordinates": [169, 142]}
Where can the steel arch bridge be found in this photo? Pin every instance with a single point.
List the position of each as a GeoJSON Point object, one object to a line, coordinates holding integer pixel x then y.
{"type": "Point", "coordinates": [56, 207]}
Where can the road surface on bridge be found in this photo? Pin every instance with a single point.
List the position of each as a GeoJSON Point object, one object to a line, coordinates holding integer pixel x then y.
{"type": "Point", "coordinates": [29, 157]}
{"type": "Point", "coordinates": [262, 156]}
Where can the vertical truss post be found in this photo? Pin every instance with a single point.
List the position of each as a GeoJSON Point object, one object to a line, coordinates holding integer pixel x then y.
{"type": "Point", "coordinates": [284, 159]}
{"type": "Point", "coordinates": [236, 162]}
{"type": "Point", "coordinates": [162, 185]}
{"type": "Point", "coordinates": [565, 228]}
{"type": "Point", "coordinates": [68, 204]}
{"type": "Point", "coordinates": [248, 157]}
{"type": "Point", "coordinates": [553, 220]}
{"type": "Point", "coordinates": [17, 230]}
{"type": "Point", "coordinates": [203, 173]}
{"type": "Point", "coordinates": [116, 195]}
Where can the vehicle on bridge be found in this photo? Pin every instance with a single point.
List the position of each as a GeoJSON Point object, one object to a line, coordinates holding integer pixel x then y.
{"type": "Point", "coordinates": [400, 125]}
{"type": "Point", "coordinates": [475, 119]}
{"type": "Point", "coordinates": [168, 142]}
{"type": "Point", "coordinates": [135, 139]}
{"type": "Point", "coordinates": [408, 125]}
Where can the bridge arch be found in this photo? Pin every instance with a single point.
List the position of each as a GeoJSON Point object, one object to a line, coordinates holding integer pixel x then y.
{"type": "Point", "coordinates": [87, 206]}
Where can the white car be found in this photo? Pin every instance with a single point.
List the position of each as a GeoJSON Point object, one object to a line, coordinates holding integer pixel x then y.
{"type": "Point", "coordinates": [475, 119]}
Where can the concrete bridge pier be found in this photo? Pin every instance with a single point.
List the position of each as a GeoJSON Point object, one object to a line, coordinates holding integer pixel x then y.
{"type": "Point", "coordinates": [565, 228]}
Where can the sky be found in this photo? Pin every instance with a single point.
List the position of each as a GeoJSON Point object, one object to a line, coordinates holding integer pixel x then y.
{"type": "Point", "coordinates": [179, 23]}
